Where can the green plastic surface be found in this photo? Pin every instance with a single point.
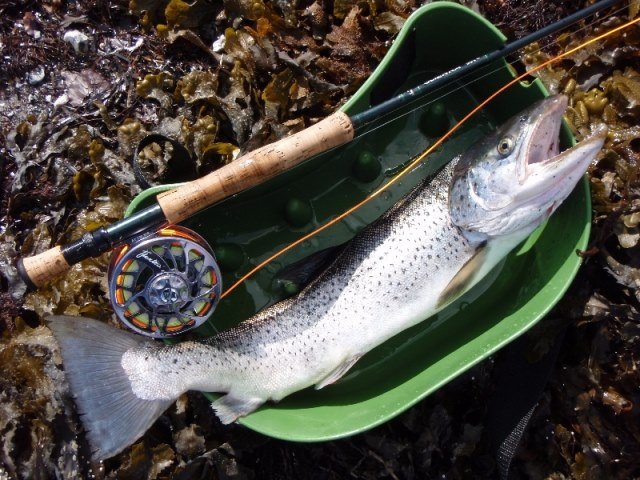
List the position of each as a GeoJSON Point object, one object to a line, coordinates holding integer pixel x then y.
{"type": "Point", "coordinates": [256, 223]}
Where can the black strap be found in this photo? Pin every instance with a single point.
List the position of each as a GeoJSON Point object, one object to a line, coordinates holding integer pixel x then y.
{"type": "Point", "coordinates": [519, 387]}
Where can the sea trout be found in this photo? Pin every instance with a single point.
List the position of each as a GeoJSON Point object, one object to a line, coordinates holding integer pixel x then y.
{"type": "Point", "coordinates": [421, 255]}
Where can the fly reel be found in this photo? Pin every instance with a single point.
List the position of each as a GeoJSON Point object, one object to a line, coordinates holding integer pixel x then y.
{"type": "Point", "coordinates": [165, 283]}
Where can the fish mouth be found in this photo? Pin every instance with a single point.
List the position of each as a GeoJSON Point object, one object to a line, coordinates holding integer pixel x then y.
{"type": "Point", "coordinates": [542, 144]}
{"type": "Point", "coordinates": [550, 180]}
{"type": "Point", "coordinates": [547, 176]}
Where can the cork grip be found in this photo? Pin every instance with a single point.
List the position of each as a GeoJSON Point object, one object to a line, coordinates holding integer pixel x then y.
{"type": "Point", "coordinates": [255, 167]}
{"type": "Point", "coordinates": [39, 269]}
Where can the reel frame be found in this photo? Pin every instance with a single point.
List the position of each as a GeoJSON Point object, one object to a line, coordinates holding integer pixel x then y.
{"type": "Point", "coordinates": [165, 283]}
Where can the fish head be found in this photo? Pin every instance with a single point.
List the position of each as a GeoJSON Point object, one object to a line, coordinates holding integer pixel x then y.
{"type": "Point", "coordinates": [515, 178]}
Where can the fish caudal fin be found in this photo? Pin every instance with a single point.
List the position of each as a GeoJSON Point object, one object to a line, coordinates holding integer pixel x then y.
{"type": "Point", "coordinates": [112, 415]}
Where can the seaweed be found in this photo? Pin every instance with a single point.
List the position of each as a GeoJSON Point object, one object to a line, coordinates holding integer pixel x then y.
{"type": "Point", "coordinates": [225, 77]}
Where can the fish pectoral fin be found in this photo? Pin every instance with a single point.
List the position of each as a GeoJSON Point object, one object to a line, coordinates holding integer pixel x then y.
{"type": "Point", "coordinates": [229, 408]}
{"type": "Point", "coordinates": [338, 372]}
{"type": "Point", "coordinates": [461, 280]}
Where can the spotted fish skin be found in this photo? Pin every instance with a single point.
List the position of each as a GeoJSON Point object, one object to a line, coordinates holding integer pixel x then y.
{"type": "Point", "coordinates": [380, 285]}
{"type": "Point", "coordinates": [422, 254]}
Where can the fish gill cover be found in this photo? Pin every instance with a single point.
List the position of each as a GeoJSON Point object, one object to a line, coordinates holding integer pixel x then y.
{"type": "Point", "coordinates": [83, 83]}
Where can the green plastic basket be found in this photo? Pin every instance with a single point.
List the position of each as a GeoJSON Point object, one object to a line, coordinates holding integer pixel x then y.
{"type": "Point", "coordinates": [248, 227]}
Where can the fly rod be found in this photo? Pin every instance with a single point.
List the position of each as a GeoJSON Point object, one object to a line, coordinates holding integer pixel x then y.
{"type": "Point", "coordinates": [259, 166]}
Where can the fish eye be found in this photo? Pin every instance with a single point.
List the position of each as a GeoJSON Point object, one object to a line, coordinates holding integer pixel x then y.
{"type": "Point", "coordinates": [505, 145]}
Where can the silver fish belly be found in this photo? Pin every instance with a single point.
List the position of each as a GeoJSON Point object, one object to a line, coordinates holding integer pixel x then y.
{"type": "Point", "coordinates": [422, 254]}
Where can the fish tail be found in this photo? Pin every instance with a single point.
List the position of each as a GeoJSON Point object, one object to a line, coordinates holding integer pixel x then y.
{"type": "Point", "coordinates": [112, 415]}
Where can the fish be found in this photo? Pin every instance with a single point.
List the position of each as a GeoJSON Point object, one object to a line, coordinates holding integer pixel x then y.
{"type": "Point", "coordinates": [421, 255]}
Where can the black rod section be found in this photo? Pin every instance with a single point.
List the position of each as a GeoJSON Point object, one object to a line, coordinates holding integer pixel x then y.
{"type": "Point", "coordinates": [360, 120]}
{"type": "Point", "coordinates": [103, 239]}
{"type": "Point", "coordinates": [136, 223]}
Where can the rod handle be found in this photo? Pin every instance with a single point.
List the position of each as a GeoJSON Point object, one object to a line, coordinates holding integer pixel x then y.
{"type": "Point", "coordinates": [37, 270]}
{"type": "Point", "coordinates": [255, 167]}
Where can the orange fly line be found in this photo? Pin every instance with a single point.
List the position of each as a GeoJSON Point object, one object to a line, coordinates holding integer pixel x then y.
{"type": "Point", "coordinates": [420, 157]}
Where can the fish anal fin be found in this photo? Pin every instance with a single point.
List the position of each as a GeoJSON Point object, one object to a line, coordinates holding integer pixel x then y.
{"type": "Point", "coordinates": [338, 372]}
{"type": "Point", "coordinates": [463, 279]}
{"type": "Point", "coordinates": [229, 408]}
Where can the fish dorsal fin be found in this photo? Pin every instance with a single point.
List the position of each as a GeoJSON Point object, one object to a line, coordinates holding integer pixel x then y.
{"type": "Point", "coordinates": [463, 279]}
{"type": "Point", "coordinates": [338, 372]}
{"type": "Point", "coordinates": [304, 271]}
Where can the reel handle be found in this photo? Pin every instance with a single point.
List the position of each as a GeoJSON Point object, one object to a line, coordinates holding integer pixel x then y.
{"type": "Point", "coordinates": [179, 204]}
{"type": "Point", "coordinates": [255, 167]}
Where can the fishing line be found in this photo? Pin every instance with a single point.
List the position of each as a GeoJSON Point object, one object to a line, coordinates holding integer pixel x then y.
{"type": "Point", "coordinates": [425, 153]}
{"type": "Point", "coordinates": [186, 200]}
{"type": "Point", "coordinates": [395, 115]}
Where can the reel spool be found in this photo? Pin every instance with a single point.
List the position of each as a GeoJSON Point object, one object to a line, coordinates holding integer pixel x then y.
{"type": "Point", "coordinates": [165, 283]}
